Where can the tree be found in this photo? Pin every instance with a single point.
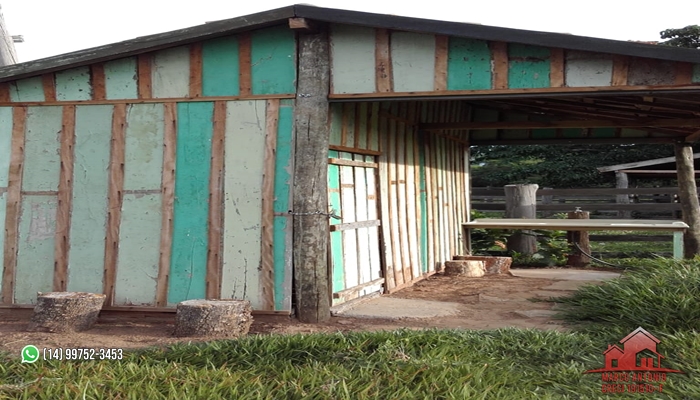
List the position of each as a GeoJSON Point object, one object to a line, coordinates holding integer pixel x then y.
{"type": "Point", "coordinates": [683, 37]}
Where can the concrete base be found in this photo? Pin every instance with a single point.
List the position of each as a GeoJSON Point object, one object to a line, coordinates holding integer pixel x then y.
{"type": "Point", "coordinates": [565, 274]}
{"type": "Point", "coordinates": [396, 308]}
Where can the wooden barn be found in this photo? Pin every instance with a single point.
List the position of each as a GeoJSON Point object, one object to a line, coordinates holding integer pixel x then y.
{"type": "Point", "coordinates": [297, 158]}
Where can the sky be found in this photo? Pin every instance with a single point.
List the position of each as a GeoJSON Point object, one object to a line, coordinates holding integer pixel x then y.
{"type": "Point", "coordinates": [53, 27]}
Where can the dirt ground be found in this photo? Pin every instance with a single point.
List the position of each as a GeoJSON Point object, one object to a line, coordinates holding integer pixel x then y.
{"type": "Point", "coordinates": [485, 303]}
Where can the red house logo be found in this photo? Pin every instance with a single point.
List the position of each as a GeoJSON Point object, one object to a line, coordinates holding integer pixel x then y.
{"type": "Point", "coordinates": [630, 359]}
{"type": "Point", "coordinates": [635, 368]}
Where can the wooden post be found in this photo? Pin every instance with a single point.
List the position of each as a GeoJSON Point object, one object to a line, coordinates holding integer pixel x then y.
{"type": "Point", "coordinates": [622, 182]}
{"type": "Point", "coordinates": [521, 203]}
{"type": "Point", "coordinates": [576, 257]}
{"type": "Point", "coordinates": [688, 192]}
{"type": "Point", "coordinates": [547, 200]}
{"type": "Point", "coordinates": [311, 231]}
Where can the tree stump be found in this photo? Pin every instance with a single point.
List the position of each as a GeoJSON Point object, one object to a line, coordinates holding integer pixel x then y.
{"type": "Point", "coordinates": [213, 318]}
{"type": "Point", "coordinates": [521, 202]}
{"type": "Point", "coordinates": [65, 311]}
{"type": "Point", "coordinates": [492, 264]}
{"type": "Point", "coordinates": [474, 269]}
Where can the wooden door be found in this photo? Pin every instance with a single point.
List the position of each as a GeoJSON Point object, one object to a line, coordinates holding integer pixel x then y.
{"type": "Point", "coordinates": [354, 238]}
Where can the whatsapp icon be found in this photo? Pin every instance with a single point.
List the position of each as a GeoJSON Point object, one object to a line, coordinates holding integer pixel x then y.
{"type": "Point", "coordinates": [30, 354]}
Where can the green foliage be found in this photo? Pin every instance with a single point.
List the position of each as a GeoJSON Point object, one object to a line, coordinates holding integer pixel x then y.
{"type": "Point", "coordinates": [688, 36]}
{"type": "Point", "coordinates": [557, 166]}
{"type": "Point", "coordinates": [662, 294]}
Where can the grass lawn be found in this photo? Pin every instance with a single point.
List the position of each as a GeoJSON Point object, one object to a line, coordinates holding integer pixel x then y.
{"type": "Point", "coordinates": [432, 364]}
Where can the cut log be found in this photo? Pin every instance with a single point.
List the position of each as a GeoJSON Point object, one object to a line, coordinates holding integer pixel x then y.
{"type": "Point", "coordinates": [474, 269]}
{"type": "Point", "coordinates": [65, 311]}
{"type": "Point", "coordinates": [521, 203]}
{"type": "Point", "coordinates": [213, 318]}
{"type": "Point", "coordinates": [492, 264]}
{"type": "Point", "coordinates": [577, 258]}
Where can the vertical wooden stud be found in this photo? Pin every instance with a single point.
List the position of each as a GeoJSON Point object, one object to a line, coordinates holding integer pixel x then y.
{"type": "Point", "coordinates": [168, 189]}
{"type": "Point", "coordinates": [97, 78]}
{"type": "Point", "coordinates": [145, 85]}
{"type": "Point", "coordinates": [216, 185]}
{"type": "Point", "coordinates": [267, 274]}
{"type": "Point", "coordinates": [49, 84]}
{"type": "Point", "coordinates": [621, 65]}
{"type": "Point", "coordinates": [556, 69]}
{"type": "Point", "coordinates": [441, 57]}
{"type": "Point", "coordinates": [382, 55]}
{"type": "Point", "coordinates": [499, 57]}
{"type": "Point", "coordinates": [5, 92]}
{"type": "Point", "coordinates": [14, 190]}
{"type": "Point", "coordinates": [244, 64]}
{"type": "Point", "coordinates": [196, 70]}
{"type": "Point", "coordinates": [65, 197]}
{"type": "Point", "coordinates": [115, 199]}
{"type": "Point", "coordinates": [684, 73]}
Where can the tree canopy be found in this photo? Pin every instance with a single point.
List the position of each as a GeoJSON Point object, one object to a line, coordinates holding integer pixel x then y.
{"type": "Point", "coordinates": [682, 37]}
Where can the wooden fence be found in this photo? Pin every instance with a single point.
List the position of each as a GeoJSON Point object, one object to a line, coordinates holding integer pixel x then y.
{"type": "Point", "coordinates": [650, 203]}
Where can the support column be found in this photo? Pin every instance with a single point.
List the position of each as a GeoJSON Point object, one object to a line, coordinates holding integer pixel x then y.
{"type": "Point", "coordinates": [521, 202]}
{"type": "Point", "coordinates": [622, 182]}
{"type": "Point", "coordinates": [310, 195]}
{"type": "Point", "coordinates": [688, 193]}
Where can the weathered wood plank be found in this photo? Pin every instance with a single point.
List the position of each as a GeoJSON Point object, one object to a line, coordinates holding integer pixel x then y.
{"type": "Point", "coordinates": [412, 216]}
{"type": "Point", "coordinates": [352, 58]}
{"type": "Point", "coordinates": [168, 187]}
{"type": "Point", "coordinates": [245, 79]}
{"type": "Point", "coordinates": [195, 70]}
{"type": "Point", "coordinates": [5, 156]}
{"type": "Point", "coordinates": [88, 212]}
{"type": "Point", "coordinates": [49, 85]}
{"type": "Point", "coordinates": [355, 151]}
{"type": "Point", "coordinates": [384, 201]}
{"type": "Point", "coordinates": [73, 85]}
{"type": "Point", "coordinates": [557, 67]}
{"type": "Point", "coordinates": [355, 225]}
{"type": "Point", "coordinates": [220, 67]}
{"type": "Point", "coordinates": [353, 291]}
{"type": "Point", "coordinates": [5, 96]}
{"type": "Point", "coordinates": [373, 215]}
{"type": "Point", "coordinates": [267, 272]}
{"type": "Point", "coordinates": [362, 233]}
{"type": "Point", "coordinates": [392, 199]}
{"type": "Point", "coordinates": [12, 201]}
{"type": "Point", "coordinates": [621, 65]}
{"type": "Point", "coordinates": [282, 241]}
{"type": "Point", "coordinates": [171, 72]}
{"type": "Point", "coordinates": [35, 249]}
{"type": "Point", "coordinates": [97, 81]}
{"type": "Point", "coordinates": [424, 211]}
{"type": "Point", "coordinates": [499, 60]}
{"type": "Point", "coordinates": [29, 89]}
{"type": "Point", "coordinates": [442, 44]}
{"type": "Point", "coordinates": [145, 75]}
{"type": "Point", "coordinates": [469, 64]}
{"type": "Point", "coordinates": [122, 78]}
{"type": "Point", "coordinates": [382, 60]}
{"type": "Point", "coordinates": [350, 245]}
{"type": "Point", "coordinates": [244, 166]}
{"type": "Point", "coordinates": [115, 197]}
{"type": "Point", "coordinates": [412, 61]}
{"type": "Point", "coordinates": [402, 202]}
{"type": "Point", "coordinates": [188, 262]}
{"type": "Point", "coordinates": [216, 203]}
{"type": "Point", "coordinates": [352, 163]}
{"type": "Point", "coordinates": [273, 61]}
{"type": "Point", "coordinates": [361, 126]}
{"type": "Point", "coordinates": [349, 127]}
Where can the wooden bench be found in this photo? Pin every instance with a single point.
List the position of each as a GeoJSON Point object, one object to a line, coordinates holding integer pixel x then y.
{"type": "Point", "coordinates": [677, 227]}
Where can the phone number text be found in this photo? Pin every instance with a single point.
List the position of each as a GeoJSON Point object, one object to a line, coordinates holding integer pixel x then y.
{"type": "Point", "coordinates": [70, 354]}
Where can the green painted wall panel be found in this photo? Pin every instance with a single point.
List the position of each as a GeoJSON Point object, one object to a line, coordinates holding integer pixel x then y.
{"type": "Point", "coordinates": [413, 61]}
{"type": "Point", "coordinates": [73, 84]}
{"type": "Point", "coordinates": [3, 210]}
{"type": "Point", "coordinates": [352, 59]}
{"type": "Point", "coordinates": [42, 149]}
{"type": "Point", "coordinates": [121, 80]}
{"type": "Point", "coordinates": [35, 254]}
{"type": "Point", "coordinates": [245, 147]}
{"type": "Point", "coordinates": [5, 145]}
{"type": "Point", "coordinates": [282, 240]}
{"type": "Point", "coordinates": [220, 67]}
{"type": "Point", "coordinates": [572, 132]}
{"type": "Point", "coordinates": [528, 66]}
{"type": "Point", "coordinates": [468, 65]}
{"type": "Point", "coordinates": [171, 72]}
{"type": "Point", "coordinates": [273, 61]}
{"type": "Point", "coordinates": [93, 128]}
{"type": "Point", "coordinates": [544, 133]}
{"type": "Point", "coordinates": [139, 250]}
{"type": "Point", "coordinates": [143, 158]}
{"type": "Point", "coordinates": [338, 275]}
{"type": "Point", "coordinates": [696, 73]}
{"type": "Point", "coordinates": [603, 132]}
{"type": "Point", "coordinates": [192, 168]}
{"type": "Point", "coordinates": [29, 89]}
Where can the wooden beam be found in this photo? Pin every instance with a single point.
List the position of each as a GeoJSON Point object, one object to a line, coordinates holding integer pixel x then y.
{"type": "Point", "coordinates": [97, 79]}
{"type": "Point", "coordinates": [244, 65]}
{"type": "Point", "coordinates": [49, 85]}
{"type": "Point", "coordinates": [14, 187]}
{"type": "Point", "coordinates": [144, 81]}
{"type": "Point", "coordinates": [216, 183]}
{"type": "Point", "coordinates": [639, 123]}
{"type": "Point", "coordinates": [355, 225]}
{"type": "Point", "coordinates": [5, 92]}
{"type": "Point", "coordinates": [688, 194]}
{"type": "Point", "coordinates": [115, 201]}
{"type": "Point", "coordinates": [621, 65]}
{"type": "Point", "coordinates": [354, 150]}
{"type": "Point", "coordinates": [499, 59]}
{"type": "Point", "coordinates": [693, 137]}
{"type": "Point", "coordinates": [267, 273]}
{"type": "Point", "coordinates": [196, 70]}
{"type": "Point", "coordinates": [557, 66]}
{"type": "Point", "coordinates": [303, 25]}
{"type": "Point", "coordinates": [645, 163]}
{"type": "Point", "coordinates": [310, 233]}
{"type": "Point", "coordinates": [382, 55]}
{"type": "Point", "coordinates": [442, 43]}
{"type": "Point", "coordinates": [353, 290]}
{"type": "Point", "coordinates": [65, 200]}
{"type": "Point", "coordinates": [352, 163]}
{"type": "Point", "coordinates": [168, 187]}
